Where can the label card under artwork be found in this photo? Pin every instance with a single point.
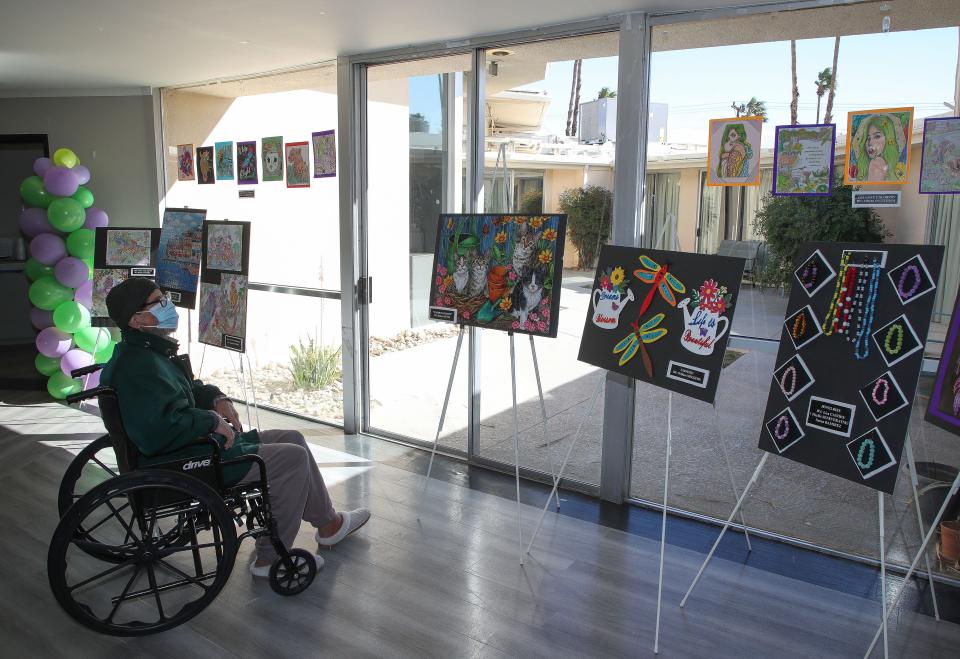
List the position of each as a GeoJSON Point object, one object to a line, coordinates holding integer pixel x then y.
{"type": "Point", "coordinates": [662, 317]}
{"type": "Point", "coordinates": [850, 354]}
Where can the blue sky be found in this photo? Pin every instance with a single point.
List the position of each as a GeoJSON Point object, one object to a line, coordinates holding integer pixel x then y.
{"type": "Point", "coordinates": [874, 71]}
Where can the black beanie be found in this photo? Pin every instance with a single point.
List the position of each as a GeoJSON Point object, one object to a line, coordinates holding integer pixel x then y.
{"type": "Point", "coordinates": [127, 298]}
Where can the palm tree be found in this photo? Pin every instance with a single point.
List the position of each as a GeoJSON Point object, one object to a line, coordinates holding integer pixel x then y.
{"type": "Point", "coordinates": [828, 114]}
{"type": "Point", "coordinates": [752, 108]}
{"type": "Point", "coordinates": [606, 92]}
{"type": "Point", "coordinates": [573, 109]}
{"type": "Point", "coordinates": [823, 82]}
{"type": "Point", "coordinates": [795, 91]}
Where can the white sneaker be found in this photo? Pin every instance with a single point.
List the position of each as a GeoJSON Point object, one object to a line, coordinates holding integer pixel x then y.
{"type": "Point", "coordinates": [353, 520]}
{"type": "Point", "coordinates": [264, 570]}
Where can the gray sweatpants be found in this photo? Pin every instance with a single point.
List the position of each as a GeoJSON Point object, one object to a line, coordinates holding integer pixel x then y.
{"type": "Point", "coordinates": [297, 491]}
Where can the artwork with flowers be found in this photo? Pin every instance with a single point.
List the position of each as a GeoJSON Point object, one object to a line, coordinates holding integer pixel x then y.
{"type": "Point", "coordinates": [803, 160]}
{"type": "Point", "coordinates": [851, 348]}
{"type": "Point", "coordinates": [940, 160]}
{"type": "Point", "coordinates": [223, 284]}
{"type": "Point", "coordinates": [662, 317]}
{"type": "Point", "coordinates": [878, 147]}
{"type": "Point", "coordinates": [499, 272]}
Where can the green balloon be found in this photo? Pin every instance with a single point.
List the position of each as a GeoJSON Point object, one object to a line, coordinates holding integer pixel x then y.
{"type": "Point", "coordinates": [92, 339]}
{"type": "Point", "coordinates": [80, 243]}
{"type": "Point", "coordinates": [70, 316]}
{"type": "Point", "coordinates": [60, 386]}
{"type": "Point", "coordinates": [65, 214]}
{"type": "Point", "coordinates": [47, 293]}
{"type": "Point", "coordinates": [47, 365]}
{"type": "Point", "coordinates": [103, 355]}
{"type": "Point", "coordinates": [34, 193]}
{"type": "Point", "coordinates": [36, 270]}
{"type": "Point", "coordinates": [65, 158]}
{"type": "Point", "coordinates": [83, 196]}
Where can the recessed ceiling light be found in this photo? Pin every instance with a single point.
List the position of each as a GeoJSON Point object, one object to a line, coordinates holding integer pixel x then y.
{"type": "Point", "coordinates": [244, 43]}
{"type": "Point", "coordinates": [501, 53]}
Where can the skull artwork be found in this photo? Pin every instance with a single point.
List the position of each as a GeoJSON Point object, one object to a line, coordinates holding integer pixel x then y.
{"type": "Point", "coordinates": [271, 161]}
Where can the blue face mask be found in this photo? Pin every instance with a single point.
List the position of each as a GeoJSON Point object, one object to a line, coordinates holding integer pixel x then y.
{"type": "Point", "coordinates": [166, 315]}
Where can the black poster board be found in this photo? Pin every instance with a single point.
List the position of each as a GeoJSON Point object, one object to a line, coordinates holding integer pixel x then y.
{"type": "Point", "coordinates": [851, 348]}
{"type": "Point", "coordinates": [678, 342]}
{"type": "Point", "coordinates": [223, 284]}
{"type": "Point", "coordinates": [499, 272]}
{"type": "Point", "coordinates": [118, 254]}
{"type": "Point", "coordinates": [181, 248]}
{"type": "Point", "coordinates": [943, 409]}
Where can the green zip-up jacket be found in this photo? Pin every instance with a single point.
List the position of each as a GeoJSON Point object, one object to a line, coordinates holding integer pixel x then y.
{"type": "Point", "coordinates": [163, 411]}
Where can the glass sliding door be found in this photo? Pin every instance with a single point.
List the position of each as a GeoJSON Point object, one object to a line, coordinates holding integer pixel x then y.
{"type": "Point", "coordinates": [415, 134]}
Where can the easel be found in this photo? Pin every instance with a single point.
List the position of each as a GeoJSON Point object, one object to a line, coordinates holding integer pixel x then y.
{"type": "Point", "coordinates": [516, 429]}
{"type": "Point", "coordinates": [241, 377]}
{"type": "Point", "coordinates": [908, 449]}
{"type": "Point", "coordinates": [666, 487]}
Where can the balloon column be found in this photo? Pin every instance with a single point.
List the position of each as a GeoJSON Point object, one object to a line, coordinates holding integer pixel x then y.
{"type": "Point", "coordinates": [60, 220]}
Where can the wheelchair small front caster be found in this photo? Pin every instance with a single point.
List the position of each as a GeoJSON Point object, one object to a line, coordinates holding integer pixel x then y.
{"type": "Point", "coordinates": [285, 581]}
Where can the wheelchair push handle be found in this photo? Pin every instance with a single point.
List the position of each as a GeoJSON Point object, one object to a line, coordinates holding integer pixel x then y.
{"type": "Point", "coordinates": [85, 370]}
{"type": "Point", "coordinates": [89, 393]}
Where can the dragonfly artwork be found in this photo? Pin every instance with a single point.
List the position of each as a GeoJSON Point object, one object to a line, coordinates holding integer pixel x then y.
{"type": "Point", "coordinates": [660, 281]}
{"type": "Point", "coordinates": [636, 342]}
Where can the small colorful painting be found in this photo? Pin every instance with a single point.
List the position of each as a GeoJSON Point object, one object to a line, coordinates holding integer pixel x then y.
{"type": "Point", "coordinates": [324, 154]}
{"type": "Point", "coordinates": [128, 247]}
{"type": "Point", "coordinates": [297, 156]}
{"type": "Point", "coordinates": [223, 312]}
{"type": "Point", "coordinates": [733, 151]}
{"type": "Point", "coordinates": [271, 153]}
{"type": "Point", "coordinates": [225, 247]}
{"type": "Point", "coordinates": [878, 147]}
{"type": "Point", "coordinates": [185, 162]}
{"type": "Point", "coordinates": [205, 172]}
{"type": "Point", "coordinates": [181, 245]}
{"type": "Point", "coordinates": [247, 163]}
{"type": "Point", "coordinates": [940, 159]}
{"type": "Point", "coordinates": [104, 279]}
{"type": "Point", "coordinates": [499, 272]}
{"type": "Point", "coordinates": [662, 317]}
{"type": "Point", "coordinates": [943, 408]}
{"type": "Point", "coordinates": [224, 160]}
{"type": "Point", "coordinates": [803, 161]}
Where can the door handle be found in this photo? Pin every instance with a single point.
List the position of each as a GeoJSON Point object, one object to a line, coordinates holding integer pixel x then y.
{"type": "Point", "coordinates": [365, 290]}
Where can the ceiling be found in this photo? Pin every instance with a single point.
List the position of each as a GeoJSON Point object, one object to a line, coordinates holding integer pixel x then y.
{"type": "Point", "coordinates": [108, 44]}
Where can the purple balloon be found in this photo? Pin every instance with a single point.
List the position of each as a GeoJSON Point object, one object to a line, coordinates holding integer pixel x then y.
{"type": "Point", "coordinates": [33, 222]}
{"type": "Point", "coordinates": [96, 217]}
{"type": "Point", "coordinates": [60, 181]}
{"type": "Point", "coordinates": [75, 359]}
{"type": "Point", "coordinates": [84, 294]}
{"type": "Point", "coordinates": [41, 165]}
{"type": "Point", "coordinates": [52, 342]}
{"type": "Point", "coordinates": [71, 272]}
{"type": "Point", "coordinates": [48, 248]}
{"type": "Point", "coordinates": [91, 381]}
{"type": "Point", "coordinates": [43, 319]}
{"type": "Point", "coordinates": [82, 173]}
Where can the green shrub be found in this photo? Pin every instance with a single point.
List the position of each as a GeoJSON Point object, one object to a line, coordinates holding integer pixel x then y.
{"type": "Point", "coordinates": [532, 202]}
{"type": "Point", "coordinates": [313, 366]}
{"type": "Point", "coordinates": [589, 212]}
{"type": "Point", "coordinates": [785, 223]}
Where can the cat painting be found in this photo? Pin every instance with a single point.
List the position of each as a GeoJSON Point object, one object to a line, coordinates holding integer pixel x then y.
{"type": "Point", "coordinates": [527, 293]}
{"type": "Point", "coordinates": [478, 275]}
{"type": "Point", "coordinates": [524, 250]}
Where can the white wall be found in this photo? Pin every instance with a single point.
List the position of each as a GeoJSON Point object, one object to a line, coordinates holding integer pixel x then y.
{"type": "Point", "coordinates": [112, 135]}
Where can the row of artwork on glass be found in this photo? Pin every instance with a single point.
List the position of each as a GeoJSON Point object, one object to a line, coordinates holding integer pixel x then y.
{"type": "Point", "coordinates": [224, 162]}
{"type": "Point", "coordinates": [877, 153]}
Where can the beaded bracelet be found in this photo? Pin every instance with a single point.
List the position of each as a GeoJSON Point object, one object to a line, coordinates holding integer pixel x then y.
{"type": "Point", "coordinates": [907, 294]}
{"type": "Point", "coordinates": [786, 427]}
{"type": "Point", "coordinates": [790, 371]}
{"type": "Point", "coordinates": [866, 444]}
{"type": "Point", "coordinates": [890, 349]}
{"type": "Point", "coordinates": [886, 392]}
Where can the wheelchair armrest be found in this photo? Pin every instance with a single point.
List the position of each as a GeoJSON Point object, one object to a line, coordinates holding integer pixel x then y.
{"type": "Point", "coordinates": [89, 393]}
{"type": "Point", "coordinates": [85, 370]}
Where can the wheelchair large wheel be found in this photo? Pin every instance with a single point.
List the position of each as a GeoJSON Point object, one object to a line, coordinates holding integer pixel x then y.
{"type": "Point", "coordinates": [95, 464]}
{"type": "Point", "coordinates": [152, 580]}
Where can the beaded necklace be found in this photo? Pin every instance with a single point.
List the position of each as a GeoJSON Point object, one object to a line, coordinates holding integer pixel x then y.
{"type": "Point", "coordinates": [861, 344]}
{"type": "Point", "coordinates": [915, 271]}
{"type": "Point", "coordinates": [830, 320]}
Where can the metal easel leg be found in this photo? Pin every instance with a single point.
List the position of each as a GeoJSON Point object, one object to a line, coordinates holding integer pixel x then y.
{"type": "Point", "coordinates": [253, 389]}
{"type": "Point", "coordinates": [883, 574]}
{"type": "Point", "coordinates": [516, 443]}
{"type": "Point", "coordinates": [733, 513]}
{"type": "Point", "coordinates": [912, 465]}
{"type": "Point", "coordinates": [663, 524]}
{"type": "Point", "coordinates": [443, 414]}
{"type": "Point", "coordinates": [243, 385]}
{"type": "Point", "coordinates": [733, 482]}
{"type": "Point", "coordinates": [543, 413]}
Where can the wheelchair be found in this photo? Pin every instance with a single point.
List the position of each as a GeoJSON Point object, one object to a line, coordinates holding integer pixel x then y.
{"type": "Point", "coordinates": [141, 550]}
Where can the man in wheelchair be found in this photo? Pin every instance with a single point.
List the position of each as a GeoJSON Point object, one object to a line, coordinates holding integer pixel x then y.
{"type": "Point", "coordinates": [165, 410]}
